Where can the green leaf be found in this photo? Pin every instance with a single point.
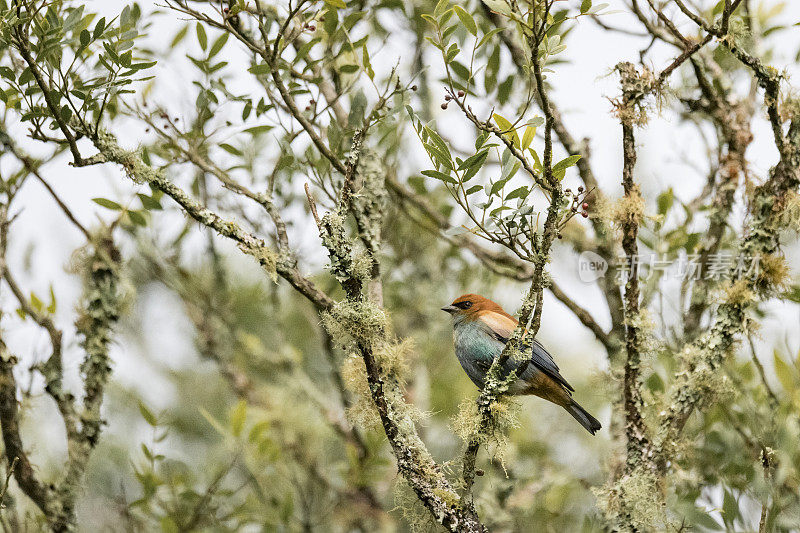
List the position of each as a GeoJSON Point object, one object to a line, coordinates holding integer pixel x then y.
{"type": "Point", "coordinates": [36, 302]}
{"type": "Point", "coordinates": [504, 89]}
{"type": "Point", "coordinates": [331, 20]}
{"type": "Point", "coordinates": [509, 131]}
{"type": "Point", "coordinates": [179, 36]}
{"type": "Point", "coordinates": [439, 142]}
{"type": "Point", "coordinates": [149, 203]}
{"type": "Point", "coordinates": [98, 28]}
{"type": "Point", "coordinates": [85, 37]}
{"type": "Point", "coordinates": [339, 4]}
{"type": "Point", "coordinates": [230, 149]}
{"type": "Point", "coordinates": [586, 5]}
{"type": "Point", "coordinates": [148, 415]}
{"type": "Point", "coordinates": [438, 156]}
{"type": "Point", "coordinates": [202, 38]}
{"type": "Point", "coordinates": [367, 64]}
{"type": "Point", "coordinates": [137, 218]}
{"type": "Point", "coordinates": [474, 166]}
{"type": "Point", "coordinates": [566, 163]}
{"type": "Point", "coordinates": [537, 163]}
{"type": "Point", "coordinates": [520, 192]}
{"type": "Point", "coordinates": [665, 201]}
{"type": "Point", "coordinates": [527, 137]}
{"type": "Point", "coordinates": [467, 20]}
{"type": "Point", "coordinates": [474, 189]}
{"type": "Point", "coordinates": [258, 130]}
{"type": "Point", "coordinates": [259, 70]}
{"type": "Point", "coordinates": [785, 373]}
{"type": "Point", "coordinates": [440, 8]}
{"type": "Point", "coordinates": [238, 417]}
{"type": "Point", "coordinates": [143, 65]}
{"type": "Point", "coordinates": [497, 185]}
{"type": "Point", "coordinates": [168, 525]}
{"type": "Point", "coordinates": [596, 9]}
{"type": "Point", "coordinates": [440, 176]}
{"type": "Point", "coordinates": [502, 122]}
{"type": "Point", "coordinates": [219, 43]}
{"type": "Point", "coordinates": [108, 204]}
{"type": "Point", "coordinates": [488, 35]}
{"type": "Point", "coordinates": [52, 307]}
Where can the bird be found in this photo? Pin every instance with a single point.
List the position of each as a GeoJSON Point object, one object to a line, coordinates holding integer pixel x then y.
{"type": "Point", "coordinates": [481, 329]}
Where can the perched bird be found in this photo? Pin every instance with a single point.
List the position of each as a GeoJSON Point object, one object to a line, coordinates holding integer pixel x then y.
{"type": "Point", "coordinates": [480, 331]}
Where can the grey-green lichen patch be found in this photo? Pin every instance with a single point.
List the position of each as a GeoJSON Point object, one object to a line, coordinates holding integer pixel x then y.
{"type": "Point", "coordinates": [629, 209]}
{"type": "Point", "coordinates": [418, 518]}
{"type": "Point", "coordinates": [362, 412]}
{"type": "Point", "coordinates": [635, 502]}
{"type": "Point", "coordinates": [396, 357]}
{"type": "Point", "coordinates": [370, 196]}
{"type": "Point", "coordinates": [645, 326]}
{"type": "Point", "coordinates": [99, 311]}
{"type": "Point", "coordinates": [504, 416]}
{"type": "Point", "coordinates": [349, 320]}
{"type": "Point", "coordinates": [633, 107]}
{"type": "Point", "coordinates": [790, 214]}
{"type": "Point", "coordinates": [773, 274]}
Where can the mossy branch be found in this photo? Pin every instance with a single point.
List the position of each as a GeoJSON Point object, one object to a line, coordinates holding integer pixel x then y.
{"type": "Point", "coordinates": [364, 322]}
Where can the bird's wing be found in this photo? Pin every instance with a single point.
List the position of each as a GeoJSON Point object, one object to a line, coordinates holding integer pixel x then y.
{"type": "Point", "coordinates": [501, 327]}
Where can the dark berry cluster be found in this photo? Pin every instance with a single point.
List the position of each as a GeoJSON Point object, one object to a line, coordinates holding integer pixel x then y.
{"type": "Point", "coordinates": [448, 97]}
{"type": "Point", "coordinates": [578, 203]}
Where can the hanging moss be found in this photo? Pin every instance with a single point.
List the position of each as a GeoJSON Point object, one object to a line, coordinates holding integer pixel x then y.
{"type": "Point", "coordinates": [629, 209]}
{"type": "Point", "coordinates": [635, 502]}
{"type": "Point", "coordinates": [504, 416]}
{"type": "Point", "coordinates": [360, 321]}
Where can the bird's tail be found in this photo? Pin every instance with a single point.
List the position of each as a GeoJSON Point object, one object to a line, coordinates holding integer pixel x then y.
{"type": "Point", "coordinates": [586, 420]}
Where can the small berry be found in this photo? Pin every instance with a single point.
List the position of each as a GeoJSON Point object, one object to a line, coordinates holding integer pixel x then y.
{"type": "Point", "coordinates": [147, 130]}
{"type": "Point", "coordinates": [414, 88]}
{"type": "Point", "coordinates": [568, 191]}
{"type": "Point", "coordinates": [308, 108]}
{"type": "Point", "coordinates": [312, 28]}
{"type": "Point", "coordinates": [479, 472]}
{"type": "Point", "coordinates": [444, 106]}
{"type": "Point", "coordinates": [580, 189]}
{"type": "Point", "coordinates": [461, 94]}
{"type": "Point", "coordinates": [585, 205]}
{"type": "Point", "coordinates": [560, 236]}
{"type": "Point", "coordinates": [585, 214]}
{"type": "Point", "coordinates": [447, 98]}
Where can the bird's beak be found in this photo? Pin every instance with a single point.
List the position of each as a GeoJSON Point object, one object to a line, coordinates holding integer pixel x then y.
{"type": "Point", "coordinates": [450, 309]}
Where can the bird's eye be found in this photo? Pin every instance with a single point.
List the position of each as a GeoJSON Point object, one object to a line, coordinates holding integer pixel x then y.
{"type": "Point", "coordinates": [464, 305]}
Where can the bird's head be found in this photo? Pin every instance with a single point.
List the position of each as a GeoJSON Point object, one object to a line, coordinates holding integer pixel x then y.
{"type": "Point", "coordinates": [471, 306]}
